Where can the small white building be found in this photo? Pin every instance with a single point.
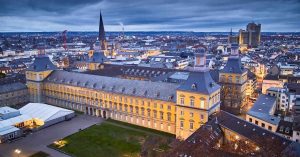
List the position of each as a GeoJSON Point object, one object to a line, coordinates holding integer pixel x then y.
{"type": "Point", "coordinates": [31, 116]}
{"type": "Point", "coordinates": [262, 113]}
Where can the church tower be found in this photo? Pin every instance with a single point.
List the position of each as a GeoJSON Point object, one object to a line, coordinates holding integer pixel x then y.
{"type": "Point", "coordinates": [36, 73]}
{"type": "Point", "coordinates": [101, 37]}
{"type": "Point", "coordinates": [97, 55]}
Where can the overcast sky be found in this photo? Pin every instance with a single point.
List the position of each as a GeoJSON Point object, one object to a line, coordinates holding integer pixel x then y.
{"type": "Point", "coordinates": [148, 15]}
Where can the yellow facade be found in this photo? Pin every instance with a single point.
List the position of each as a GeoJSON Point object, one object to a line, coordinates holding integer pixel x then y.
{"type": "Point", "coordinates": [155, 114]}
{"type": "Point", "coordinates": [193, 110]}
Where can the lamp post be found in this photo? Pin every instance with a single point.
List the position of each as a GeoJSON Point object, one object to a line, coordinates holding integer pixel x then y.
{"type": "Point", "coordinates": [18, 151]}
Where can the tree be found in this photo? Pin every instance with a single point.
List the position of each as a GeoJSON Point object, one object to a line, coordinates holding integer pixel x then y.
{"type": "Point", "coordinates": [2, 75]}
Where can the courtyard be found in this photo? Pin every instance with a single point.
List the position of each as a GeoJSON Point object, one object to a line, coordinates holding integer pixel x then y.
{"type": "Point", "coordinates": [115, 139]}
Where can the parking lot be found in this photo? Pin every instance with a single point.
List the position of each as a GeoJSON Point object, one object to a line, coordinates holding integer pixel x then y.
{"type": "Point", "coordinates": [39, 140]}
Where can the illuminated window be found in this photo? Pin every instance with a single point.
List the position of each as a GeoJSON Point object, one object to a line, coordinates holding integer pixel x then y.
{"type": "Point", "coordinates": [201, 103]}
{"type": "Point", "coordinates": [192, 102]}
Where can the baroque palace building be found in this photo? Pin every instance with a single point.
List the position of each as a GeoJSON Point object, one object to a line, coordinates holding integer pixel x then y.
{"type": "Point", "coordinates": [175, 108]}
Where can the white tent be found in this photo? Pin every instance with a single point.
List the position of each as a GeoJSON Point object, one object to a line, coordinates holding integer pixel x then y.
{"type": "Point", "coordinates": [45, 114]}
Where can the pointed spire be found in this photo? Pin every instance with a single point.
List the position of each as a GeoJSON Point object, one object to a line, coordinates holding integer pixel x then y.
{"type": "Point", "coordinates": [101, 37]}
{"type": "Point", "coordinates": [101, 29]}
{"type": "Point", "coordinates": [231, 32]}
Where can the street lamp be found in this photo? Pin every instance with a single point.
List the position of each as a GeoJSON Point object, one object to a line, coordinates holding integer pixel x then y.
{"type": "Point", "coordinates": [18, 151]}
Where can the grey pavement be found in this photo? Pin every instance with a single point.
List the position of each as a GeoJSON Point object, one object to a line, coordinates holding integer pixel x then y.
{"type": "Point", "coordinates": [39, 140]}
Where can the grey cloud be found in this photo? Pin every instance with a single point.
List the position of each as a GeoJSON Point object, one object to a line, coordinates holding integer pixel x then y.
{"type": "Point", "coordinates": [197, 15]}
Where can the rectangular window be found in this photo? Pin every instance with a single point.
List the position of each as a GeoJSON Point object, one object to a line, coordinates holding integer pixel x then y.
{"type": "Point", "coordinates": [155, 114]}
{"type": "Point", "coordinates": [169, 107]}
{"type": "Point", "coordinates": [263, 125]}
{"type": "Point", "coordinates": [181, 101]}
{"type": "Point", "coordinates": [181, 113]}
{"type": "Point", "coordinates": [256, 122]}
{"type": "Point", "coordinates": [169, 116]}
{"type": "Point", "coordinates": [161, 106]}
{"type": "Point", "coordinates": [201, 103]}
{"type": "Point", "coordinates": [181, 124]}
{"type": "Point", "coordinates": [191, 125]}
{"type": "Point", "coordinates": [250, 119]}
{"type": "Point", "coordinates": [269, 127]}
{"type": "Point", "coordinates": [161, 115]}
{"type": "Point", "coordinates": [192, 103]}
{"type": "Point", "coordinates": [202, 116]}
{"type": "Point", "coordinates": [191, 114]}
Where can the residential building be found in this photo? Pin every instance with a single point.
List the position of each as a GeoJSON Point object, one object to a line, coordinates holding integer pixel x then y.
{"type": "Point", "coordinates": [262, 113]}
{"type": "Point", "coordinates": [13, 94]}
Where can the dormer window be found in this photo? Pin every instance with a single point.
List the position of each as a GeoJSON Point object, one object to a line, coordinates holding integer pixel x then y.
{"type": "Point", "coordinates": [281, 128]}
{"type": "Point", "coordinates": [94, 85]}
{"type": "Point", "coordinates": [123, 89]}
{"type": "Point", "coordinates": [194, 86]}
{"type": "Point", "coordinates": [134, 91]}
{"type": "Point", "coordinates": [211, 84]}
{"type": "Point", "coordinates": [287, 130]}
{"type": "Point", "coordinates": [113, 88]}
{"type": "Point", "coordinates": [103, 86]}
{"type": "Point", "coordinates": [145, 93]}
{"type": "Point", "coordinates": [157, 94]}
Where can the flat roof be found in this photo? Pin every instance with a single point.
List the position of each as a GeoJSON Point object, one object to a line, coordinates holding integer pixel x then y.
{"type": "Point", "coordinates": [262, 109]}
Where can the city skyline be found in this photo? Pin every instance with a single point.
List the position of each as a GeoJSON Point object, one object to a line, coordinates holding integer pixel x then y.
{"type": "Point", "coordinates": [198, 16]}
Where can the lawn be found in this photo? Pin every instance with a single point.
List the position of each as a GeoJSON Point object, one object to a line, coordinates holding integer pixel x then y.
{"type": "Point", "coordinates": [115, 139]}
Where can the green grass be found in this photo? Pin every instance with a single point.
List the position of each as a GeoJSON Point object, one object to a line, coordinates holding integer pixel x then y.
{"type": "Point", "coordinates": [110, 140]}
{"type": "Point", "coordinates": [142, 128]}
{"type": "Point", "coordinates": [39, 154]}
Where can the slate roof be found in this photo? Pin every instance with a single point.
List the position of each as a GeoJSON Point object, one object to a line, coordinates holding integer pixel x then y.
{"type": "Point", "coordinates": [12, 87]}
{"type": "Point", "coordinates": [98, 57]}
{"type": "Point", "coordinates": [154, 90]}
{"type": "Point", "coordinates": [262, 137]}
{"type": "Point", "coordinates": [285, 127]}
{"type": "Point", "coordinates": [233, 66]}
{"type": "Point", "coordinates": [200, 82]}
{"type": "Point", "coordinates": [131, 71]}
{"type": "Point", "coordinates": [41, 63]}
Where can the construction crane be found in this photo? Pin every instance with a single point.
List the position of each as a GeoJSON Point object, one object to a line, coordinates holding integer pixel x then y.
{"type": "Point", "coordinates": [64, 37]}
